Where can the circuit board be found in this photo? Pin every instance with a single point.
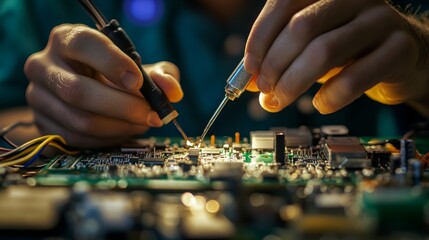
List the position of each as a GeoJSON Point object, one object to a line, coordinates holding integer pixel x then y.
{"type": "Point", "coordinates": [278, 184]}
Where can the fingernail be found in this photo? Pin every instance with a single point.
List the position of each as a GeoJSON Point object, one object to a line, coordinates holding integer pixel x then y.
{"type": "Point", "coordinates": [129, 80]}
{"type": "Point", "coordinates": [316, 104]}
{"type": "Point", "coordinates": [271, 100]}
{"type": "Point", "coordinates": [153, 120]}
{"type": "Point", "coordinates": [263, 85]}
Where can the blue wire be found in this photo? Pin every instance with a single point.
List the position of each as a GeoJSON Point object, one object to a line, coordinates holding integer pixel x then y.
{"type": "Point", "coordinates": [34, 157]}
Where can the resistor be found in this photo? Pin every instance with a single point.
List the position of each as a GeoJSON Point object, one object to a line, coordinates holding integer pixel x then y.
{"type": "Point", "coordinates": [212, 140]}
{"type": "Point", "coordinates": [279, 148]}
{"type": "Point", "coordinates": [237, 138]}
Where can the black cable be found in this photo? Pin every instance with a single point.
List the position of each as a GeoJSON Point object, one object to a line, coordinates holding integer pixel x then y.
{"type": "Point", "coordinates": [9, 128]}
{"type": "Point", "coordinates": [95, 14]}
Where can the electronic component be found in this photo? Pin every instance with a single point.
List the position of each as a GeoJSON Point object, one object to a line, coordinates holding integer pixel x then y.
{"type": "Point", "coordinates": [262, 140]}
{"type": "Point", "coordinates": [159, 188]}
{"type": "Point", "coordinates": [334, 130]}
{"type": "Point", "coordinates": [279, 149]}
{"type": "Point", "coordinates": [296, 137]}
{"type": "Point", "coordinates": [408, 150]}
{"type": "Point", "coordinates": [346, 152]}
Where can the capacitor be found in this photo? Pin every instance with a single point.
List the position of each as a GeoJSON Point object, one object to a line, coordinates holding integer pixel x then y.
{"type": "Point", "coordinates": [212, 140]}
{"type": "Point", "coordinates": [237, 137]}
{"type": "Point", "coordinates": [415, 171]}
{"type": "Point", "coordinates": [408, 150]}
{"type": "Point", "coordinates": [395, 163]}
{"type": "Point", "coordinates": [279, 148]}
{"type": "Point", "coordinates": [229, 141]}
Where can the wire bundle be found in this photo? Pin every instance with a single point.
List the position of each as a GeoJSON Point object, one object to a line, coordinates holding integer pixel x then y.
{"type": "Point", "coordinates": [28, 152]}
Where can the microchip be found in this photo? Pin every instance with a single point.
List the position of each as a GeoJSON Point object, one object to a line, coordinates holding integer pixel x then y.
{"type": "Point", "coordinates": [346, 152]}
{"type": "Point", "coordinates": [227, 171]}
{"type": "Point", "coordinates": [153, 161]}
{"type": "Point", "coordinates": [193, 154]}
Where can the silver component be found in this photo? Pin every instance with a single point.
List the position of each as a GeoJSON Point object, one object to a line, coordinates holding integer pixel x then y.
{"type": "Point", "coordinates": [235, 85]}
{"type": "Point", "coordinates": [237, 82]}
{"type": "Point", "coordinates": [262, 140]}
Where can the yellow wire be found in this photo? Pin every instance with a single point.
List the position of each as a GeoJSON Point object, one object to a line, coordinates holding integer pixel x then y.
{"type": "Point", "coordinates": [62, 149]}
{"type": "Point", "coordinates": [48, 141]}
{"type": "Point", "coordinates": [23, 153]}
{"type": "Point", "coordinates": [31, 148]}
{"type": "Point", "coordinates": [25, 145]}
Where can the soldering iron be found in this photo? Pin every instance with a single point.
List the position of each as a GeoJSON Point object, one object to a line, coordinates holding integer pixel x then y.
{"type": "Point", "coordinates": [150, 91]}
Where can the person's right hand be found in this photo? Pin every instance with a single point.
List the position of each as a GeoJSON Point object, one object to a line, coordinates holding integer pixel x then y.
{"type": "Point", "coordinates": [86, 89]}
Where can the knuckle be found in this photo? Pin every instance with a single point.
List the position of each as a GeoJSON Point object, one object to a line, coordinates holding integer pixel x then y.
{"type": "Point", "coordinates": [72, 37]}
{"type": "Point", "coordinates": [171, 68]}
{"type": "Point", "coordinates": [32, 64]}
{"type": "Point", "coordinates": [57, 33]}
{"type": "Point", "coordinates": [29, 93]}
{"type": "Point", "coordinates": [69, 87]}
{"type": "Point", "coordinates": [300, 26]}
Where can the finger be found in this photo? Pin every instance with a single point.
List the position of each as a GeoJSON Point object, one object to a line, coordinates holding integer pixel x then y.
{"type": "Point", "coordinates": [272, 19]}
{"type": "Point", "coordinates": [167, 76]}
{"type": "Point", "coordinates": [87, 94]}
{"type": "Point", "coordinates": [89, 46]}
{"type": "Point", "coordinates": [362, 75]}
{"type": "Point", "coordinates": [326, 52]}
{"type": "Point", "coordinates": [304, 27]}
{"type": "Point", "coordinates": [47, 126]}
{"type": "Point", "coordinates": [76, 120]}
{"type": "Point", "coordinates": [252, 87]}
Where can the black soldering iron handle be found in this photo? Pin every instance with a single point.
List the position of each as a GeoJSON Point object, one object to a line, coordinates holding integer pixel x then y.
{"type": "Point", "coordinates": [150, 91]}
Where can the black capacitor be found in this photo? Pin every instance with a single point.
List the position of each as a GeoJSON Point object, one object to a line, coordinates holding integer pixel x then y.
{"type": "Point", "coordinates": [395, 163]}
{"type": "Point", "coordinates": [415, 170]}
{"type": "Point", "coordinates": [408, 150]}
{"type": "Point", "coordinates": [279, 148]}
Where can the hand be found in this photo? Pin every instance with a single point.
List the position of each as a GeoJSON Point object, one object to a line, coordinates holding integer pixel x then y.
{"type": "Point", "coordinates": [86, 89]}
{"type": "Point", "coordinates": [352, 46]}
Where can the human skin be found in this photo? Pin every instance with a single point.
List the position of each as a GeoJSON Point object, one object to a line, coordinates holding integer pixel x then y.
{"type": "Point", "coordinates": [354, 47]}
{"type": "Point", "coordinates": [86, 89]}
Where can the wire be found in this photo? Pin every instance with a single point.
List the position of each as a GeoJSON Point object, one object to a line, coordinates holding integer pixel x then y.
{"type": "Point", "coordinates": [9, 128]}
{"type": "Point", "coordinates": [34, 157]}
{"type": "Point", "coordinates": [93, 11]}
{"type": "Point", "coordinates": [28, 152]}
